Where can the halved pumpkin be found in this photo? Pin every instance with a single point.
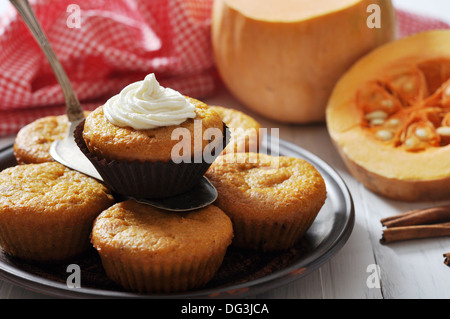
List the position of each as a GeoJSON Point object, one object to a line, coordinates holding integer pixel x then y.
{"type": "Point", "coordinates": [389, 117]}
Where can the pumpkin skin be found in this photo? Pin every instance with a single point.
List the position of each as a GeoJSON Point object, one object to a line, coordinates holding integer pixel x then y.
{"type": "Point", "coordinates": [284, 66]}
{"type": "Point", "coordinates": [410, 161]}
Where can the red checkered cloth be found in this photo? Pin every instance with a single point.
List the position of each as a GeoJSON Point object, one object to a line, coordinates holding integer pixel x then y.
{"type": "Point", "coordinates": [112, 44]}
{"type": "Point", "coordinates": [409, 23]}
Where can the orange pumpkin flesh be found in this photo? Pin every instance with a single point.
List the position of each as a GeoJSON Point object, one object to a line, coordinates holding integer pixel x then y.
{"type": "Point", "coordinates": [282, 58]}
{"type": "Point", "coordinates": [389, 117]}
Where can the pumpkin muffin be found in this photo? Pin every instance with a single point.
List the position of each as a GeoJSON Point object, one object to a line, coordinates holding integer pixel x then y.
{"type": "Point", "coordinates": [244, 130]}
{"type": "Point", "coordinates": [272, 201]}
{"type": "Point", "coordinates": [33, 141]}
{"type": "Point", "coordinates": [47, 211]}
{"type": "Point", "coordinates": [152, 145]}
{"type": "Point", "coordinates": [148, 141]}
{"type": "Point", "coordinates": [149, 250]}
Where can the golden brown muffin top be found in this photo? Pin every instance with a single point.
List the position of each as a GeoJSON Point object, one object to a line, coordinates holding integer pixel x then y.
{"type": "Point", "coordinates": [151, 234]}
{"type": "Point", "coordinates": [127, 144]}
{"type": "Point", "coordinates": [245, 130]}
{"type": "Point", "coordinates": [50, 190]}
{"type": "Point", "coordinates": [33, 141]}
{"type": "Point", "coordinates": [236, 119]}
{"type": "Point", "coordinates": [262, 186]}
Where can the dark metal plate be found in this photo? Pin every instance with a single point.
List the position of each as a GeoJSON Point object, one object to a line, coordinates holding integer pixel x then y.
{"type": "Point", "coordinates": [243, 272]}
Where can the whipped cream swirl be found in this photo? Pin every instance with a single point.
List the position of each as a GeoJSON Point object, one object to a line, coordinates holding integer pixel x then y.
{"type": "Point", "coordinates": [145, 105]}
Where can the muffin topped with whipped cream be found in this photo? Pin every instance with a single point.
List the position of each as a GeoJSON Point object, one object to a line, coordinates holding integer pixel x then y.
{"type": "Point", "coordinates": [145, 122]}
{"type": "Point", "coordinates": [159, 132]}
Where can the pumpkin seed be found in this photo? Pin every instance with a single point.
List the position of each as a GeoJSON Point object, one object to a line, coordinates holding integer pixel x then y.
{"type": "Point", "coordinates": [376, 122]}
{"type": "Point", "coordinates": [422, 133]}
{"type": "Point", "coordinates": [409, 86]}
{"type": "Point", "coordinates": [393, 122]}
{"type": "Point", "coordinates": [411, 143]}
{"type": "Point", "coordinates": [387, 103]}
{"type": "Point", "coordinates": [447, 91]}
{"type": "Point", "coordinates": [443, 130]}
{"type": "Point", "coordinates": [379, 114]}
{"type": "Point", "coordinates": [384, 135]}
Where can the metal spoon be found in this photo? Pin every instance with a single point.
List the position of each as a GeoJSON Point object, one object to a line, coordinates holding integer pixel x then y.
{"type": "Point", "coordinates": [67, 152]}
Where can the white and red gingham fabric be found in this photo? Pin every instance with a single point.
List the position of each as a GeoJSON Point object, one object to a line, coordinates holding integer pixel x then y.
{"type": "Point", "coordinates": [411, 23]}
{"type": "Point", "coordinates": [117, 42]}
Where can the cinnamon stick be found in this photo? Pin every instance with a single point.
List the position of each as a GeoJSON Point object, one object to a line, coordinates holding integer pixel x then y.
{"type": "Point", "coordinates": [394, 234]}
{"type": "Point", "coordinates": [447, 259]}
{"type": "Point", "coordinates": [389, 219]}
{"type": "Point", "coordinates": [439, 214]}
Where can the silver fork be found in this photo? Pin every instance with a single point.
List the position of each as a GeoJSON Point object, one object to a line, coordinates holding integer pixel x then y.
{"type": "Point", "coordinates": [64, 151]}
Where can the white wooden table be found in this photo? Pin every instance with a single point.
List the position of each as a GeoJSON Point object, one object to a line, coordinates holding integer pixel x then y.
{"type": "Point", "coordinates": [412, 269]}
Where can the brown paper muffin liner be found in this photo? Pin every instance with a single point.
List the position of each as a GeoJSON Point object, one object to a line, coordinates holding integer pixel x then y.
{"type": "Point", "coordinates": [161, 277]}
{"type": "Point", "coordinates": [51, 243]}
{"type": "Point", "coordinates": [266, 236]}
{"type": "Point", "coordinates": [147, 179]}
